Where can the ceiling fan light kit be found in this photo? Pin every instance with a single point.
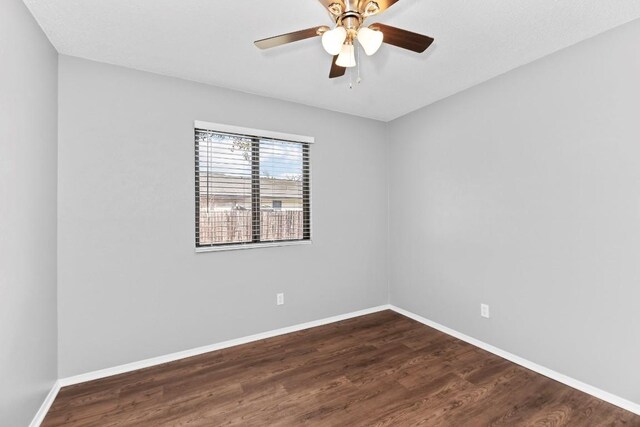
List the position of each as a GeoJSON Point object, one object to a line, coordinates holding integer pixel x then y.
{"type": "Point", "coordinates": [333, 40]}
{"type": "Point", "coordinates": [370, 40]}
{"type": "Point", "coordinates": [347, 56]}
{"type": "Point", "coordinates": [349, 17]}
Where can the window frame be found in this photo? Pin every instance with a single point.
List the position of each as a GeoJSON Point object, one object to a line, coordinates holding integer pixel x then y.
{"type": "Point", "coordinates": [258, 134]}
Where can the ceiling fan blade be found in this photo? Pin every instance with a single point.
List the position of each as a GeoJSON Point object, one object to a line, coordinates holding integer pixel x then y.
{"type": "Point", "coordinates": [290, 37]}
{"type": "Point", "coordinates": [403, 38]}
{"type": "Point", "coordinates": [336, 70]}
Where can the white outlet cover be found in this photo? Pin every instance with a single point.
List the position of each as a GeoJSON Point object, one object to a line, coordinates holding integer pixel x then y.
{"type": "Point", "coordinates": [484, 310]}
{"type": "Point", "coordinates": [279, 299]}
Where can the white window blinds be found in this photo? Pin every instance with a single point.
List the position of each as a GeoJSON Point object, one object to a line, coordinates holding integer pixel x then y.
{"type": "Point", "coordinates": [250, 189]}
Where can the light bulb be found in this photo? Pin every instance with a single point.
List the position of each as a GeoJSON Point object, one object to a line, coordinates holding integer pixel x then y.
{"type": "Point", "coordinates": [371, 40]}
{"type": "Point", "coordinates": [347, 57]}
{"type": "Point", "coordinates": [332, 40]}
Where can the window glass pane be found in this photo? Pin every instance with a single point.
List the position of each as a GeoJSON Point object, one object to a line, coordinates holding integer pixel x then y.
{"type": "Point", "coordinates": [224, 183]}
{"type": "Point", "coordinates": [281, 190]}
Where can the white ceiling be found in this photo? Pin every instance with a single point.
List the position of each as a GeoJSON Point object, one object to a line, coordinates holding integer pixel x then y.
{"type": "Point", "coordinates": [210, 41]}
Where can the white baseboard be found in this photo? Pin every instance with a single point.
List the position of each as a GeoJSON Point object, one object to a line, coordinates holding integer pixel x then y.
{"type": "Point", "coordinates": [44, 408]}
{"type": "Point", "coordinates": [571, 382]}
{"type": "Point", "coordinates": [103, 373]}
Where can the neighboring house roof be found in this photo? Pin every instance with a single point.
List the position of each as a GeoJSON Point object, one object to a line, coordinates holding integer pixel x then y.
{"type": "Point", "coordinates": [231, 187]}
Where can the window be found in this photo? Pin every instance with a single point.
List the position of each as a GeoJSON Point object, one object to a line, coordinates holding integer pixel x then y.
{"type": "Point", "coordinates": [252, 187]}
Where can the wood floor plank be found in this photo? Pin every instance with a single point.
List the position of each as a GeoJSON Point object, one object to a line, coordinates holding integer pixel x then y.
{"type": "Point", "coordinates": [381, 369]}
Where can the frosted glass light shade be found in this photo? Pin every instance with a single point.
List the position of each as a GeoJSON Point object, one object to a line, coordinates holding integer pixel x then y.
{"type": "Point", "coordinates": [332, 40]}
{"type": "Point", "coordinates": [371, 40]}
{"type": "Point", "coordinates": [347, 57]}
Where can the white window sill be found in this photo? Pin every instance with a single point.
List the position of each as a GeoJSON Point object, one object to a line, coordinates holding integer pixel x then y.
{"type": "Point", "coordinates": [251, 246]}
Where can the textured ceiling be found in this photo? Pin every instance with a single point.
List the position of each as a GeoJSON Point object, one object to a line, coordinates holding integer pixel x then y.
{"type": "Point", "coordinates": [210, 41]}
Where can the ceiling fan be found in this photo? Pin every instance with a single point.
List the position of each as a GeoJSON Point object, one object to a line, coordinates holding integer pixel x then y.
{"type": "Point", "coordinates": [349, 16]}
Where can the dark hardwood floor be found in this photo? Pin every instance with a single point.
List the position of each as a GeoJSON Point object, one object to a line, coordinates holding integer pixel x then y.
{"type": "Point", "coordinates": [380, 369]}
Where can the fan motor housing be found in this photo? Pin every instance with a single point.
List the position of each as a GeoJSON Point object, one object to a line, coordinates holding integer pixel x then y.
{"type": "Point", "coordinates": [352, 5]}
{"type": "Point", "coordinates": [350, 20]}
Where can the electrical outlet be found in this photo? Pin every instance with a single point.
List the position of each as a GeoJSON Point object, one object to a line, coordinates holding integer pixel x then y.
{"type": "Point", "coordinates": [280, 299]}
{"type": "Point", "coordinates": [484, 310]}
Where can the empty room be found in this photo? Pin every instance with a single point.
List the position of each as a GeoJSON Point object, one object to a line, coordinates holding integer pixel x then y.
{"type": "Point", "coordinates": [319, 212]}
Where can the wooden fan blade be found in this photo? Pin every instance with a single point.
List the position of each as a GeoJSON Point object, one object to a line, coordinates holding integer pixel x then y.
{"type": "Point", "coordinates": [336, 70]}
{"type": "Point", "coordinates": [403, 38]}
{"type": "Point", "coordinates": [290, 37]}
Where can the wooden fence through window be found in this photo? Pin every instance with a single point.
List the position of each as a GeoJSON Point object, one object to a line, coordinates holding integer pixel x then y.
{"type": "Point", "coordinates": [234, 226]}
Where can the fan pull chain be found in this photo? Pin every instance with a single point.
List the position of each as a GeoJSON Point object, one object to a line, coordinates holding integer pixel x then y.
{"type": "Point", "coordinates": [351, 78]}
{"type": "Point", "coordinates": [358, 80]}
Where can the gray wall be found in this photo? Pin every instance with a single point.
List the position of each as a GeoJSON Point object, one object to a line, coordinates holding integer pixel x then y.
{"type": "Point", "coordinates": [524, 193]}
{"type": "Point", "coordinates": [130, 284]}
{"type": "Point", "coordinates": [28, 137]}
